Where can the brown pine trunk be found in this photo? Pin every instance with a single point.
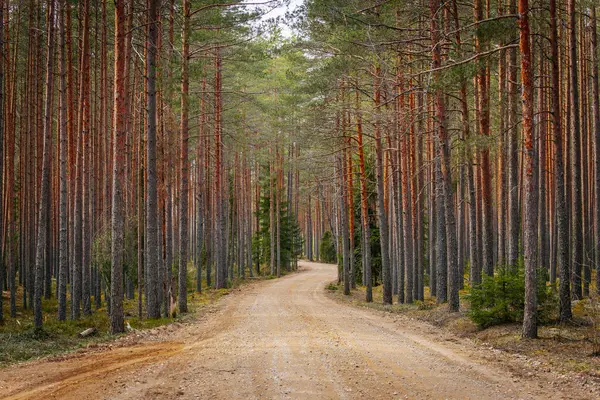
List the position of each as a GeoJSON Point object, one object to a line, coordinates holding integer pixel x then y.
{"type": "Point", "coordinates": [486, 179]}
{"type": "Point", "coordinates": [531, 190]}
{"type": "Point", "coordinates": [2, 120]}
{"type": "Point", "coordinates": [596, 111]}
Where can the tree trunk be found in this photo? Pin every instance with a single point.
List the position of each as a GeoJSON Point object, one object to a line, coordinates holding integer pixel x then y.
{"type": "Point", "coordinates": [576, 196]}
{"type": "Point", "coordinates": [513, 181]}
{"type": "Point", "coordinates": [117, 324]}
{"type": "Point", "coordinates": [531, 189]}
{"type": "Point", "coordinates": [596, 110]}
{"type": "Point", "coordinates": [366, 242]}
{"type": "Point", "coordinates": [444, 155]}
{"type": "Point", "coordinates": [183, 191]}
{"type": "Point", "coordinates": [381, 210]}
{"type": "Point", "coordinates": [152, 256]}
{"type": "Point", "coordinates": [562, 217]}
{"type": "Point", "coordinates": [486, 181]}
{"type": "Point", "coordinates": [44, 213]}
{"type": "Point", "coordinates": [63, 216]}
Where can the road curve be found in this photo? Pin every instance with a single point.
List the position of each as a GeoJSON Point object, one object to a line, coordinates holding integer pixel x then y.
{"type": "Point", "coordinates": [279, 339]}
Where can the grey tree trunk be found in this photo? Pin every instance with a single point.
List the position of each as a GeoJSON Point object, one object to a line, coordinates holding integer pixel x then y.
{"type": "Point", "coordinates": [562, 218]}
{"type": "Point", "coordinates": [408, 229]}
{"type": "Point", "coordinates": [398, 198]}
{"type": "Point", "coordinates": [117, 324]}
{"type": "Point", "coordinates": [531, 190]}
{"type": "Point", "coordinates": [44, 213]}
{"type": "Point", "coordinates": [63, 215]}
{"type": "Point", "coordinates": [183, 192]}
{"type": "Point", "coordinates": [343, 197]}
{"type": "Point", "coordinates": [168, 247]}
{"type": "Point", "coordinates": [446, 172]}
{"type": "Point", "coordinates": [441, 258]}
{"type": "Point", "coordinates": [85, 133]}
{"type": "Point", "coordinates": [386, 272]}
{"type": "Point", "coordinates": [576, 196]}
{"type": "Point", "coordinates": [152, 256]}
{"type": "Point", "coordinates": [513, 173]}
{"type": "Point", "coordinates": [272, 218]}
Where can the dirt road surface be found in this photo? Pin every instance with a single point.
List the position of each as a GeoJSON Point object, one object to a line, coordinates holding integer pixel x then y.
{"type": "Point", "coordinates": [287, 339]}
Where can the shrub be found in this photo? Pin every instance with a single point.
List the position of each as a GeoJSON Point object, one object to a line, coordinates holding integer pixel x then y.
{"type": "Point", "coordinates": [327, 248]}
{"type": "Point", "coordinates": [501, 298]}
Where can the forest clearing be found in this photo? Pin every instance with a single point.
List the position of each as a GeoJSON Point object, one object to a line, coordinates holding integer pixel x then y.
{"type": "Point", "coordinates": [299, 198]}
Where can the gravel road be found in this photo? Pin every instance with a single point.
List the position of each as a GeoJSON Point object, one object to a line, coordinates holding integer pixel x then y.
{"type": "Point", "coordinates": [283, 339]}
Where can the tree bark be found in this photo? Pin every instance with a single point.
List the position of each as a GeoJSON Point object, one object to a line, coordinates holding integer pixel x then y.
{"type": "Point", "coordinates": [364, 207]}
{"type": "Point", "coordinates": [381, 209]}
{"type": "Point", "coordinates": [596, 111]}
{"type": "Point", "coordinates": [117, 324]}
{"type": "Point", "coordinates": [576, 196]}
{"type": "Point", "coordinates": [562, 217]}
{"type": "Point", "coordinates": [183, 191]}
{"type": "Point", "coordinates": [152, 256]}
{"type": "Point", "coordinates": [63, 216]}
{"type": "Point", "coordinates": [44, 213]}
{"type": "Point", "coordinates": [530, 188]}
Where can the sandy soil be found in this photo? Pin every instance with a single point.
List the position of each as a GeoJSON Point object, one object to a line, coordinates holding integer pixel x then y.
{"type": "Point", "coordinates": [286, 339]}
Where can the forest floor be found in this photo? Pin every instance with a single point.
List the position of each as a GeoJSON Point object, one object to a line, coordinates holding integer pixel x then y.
{"type": "Point", "coordinates": [567, 349]}
{"type": "Point", "coordinates": [19, 341]}
{"type": "Point", "coordinates": [287, 338]}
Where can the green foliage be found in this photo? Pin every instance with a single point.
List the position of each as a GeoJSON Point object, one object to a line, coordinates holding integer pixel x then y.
{"type": "Point", "coordinates": [501, 298]}
{"type": "Point", "coordinates": [101, 252]}
{"type": "Point", "coordinates": [290, 233]}
{"type": "Point", "coordinates": [327, 248]}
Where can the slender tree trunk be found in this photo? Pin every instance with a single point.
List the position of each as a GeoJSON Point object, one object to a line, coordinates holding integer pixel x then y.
{"type": "Point", "coordinates": [486, 181]}
{"type": "Point", "coordinates": [596, 110]}
{"type": "Point", "coordinates": [576, 196]}
{"type": "Point", "coordinates": [183, 193]}
{"type": "Point", "coordinates": [63, 216]}
{"type": "Point", "coordinates": [531, 189]}
{"type": "Point", "coordinates": [2, 121]}
{"type": "Point", "coordinates": [381, 209]}
{"type": "Point", "coordinates": [344, 221]}
{"type": "Point", "coordinates": [562, 217]}
{"type": "Point", "coordinates": [152, 256]}
{"type": "Point", "coordinates": [44, 213]}
{"type": "Point", "coordinates": [444, 155]}
{"type": "Point", "coordinates": [117, 324]}
{"type": "Point", "coordinates": [364, 207]}
{"type": "Point", "coordinates": [513, 181]}
{"type": "Point", "coordinates": [85, 133]}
